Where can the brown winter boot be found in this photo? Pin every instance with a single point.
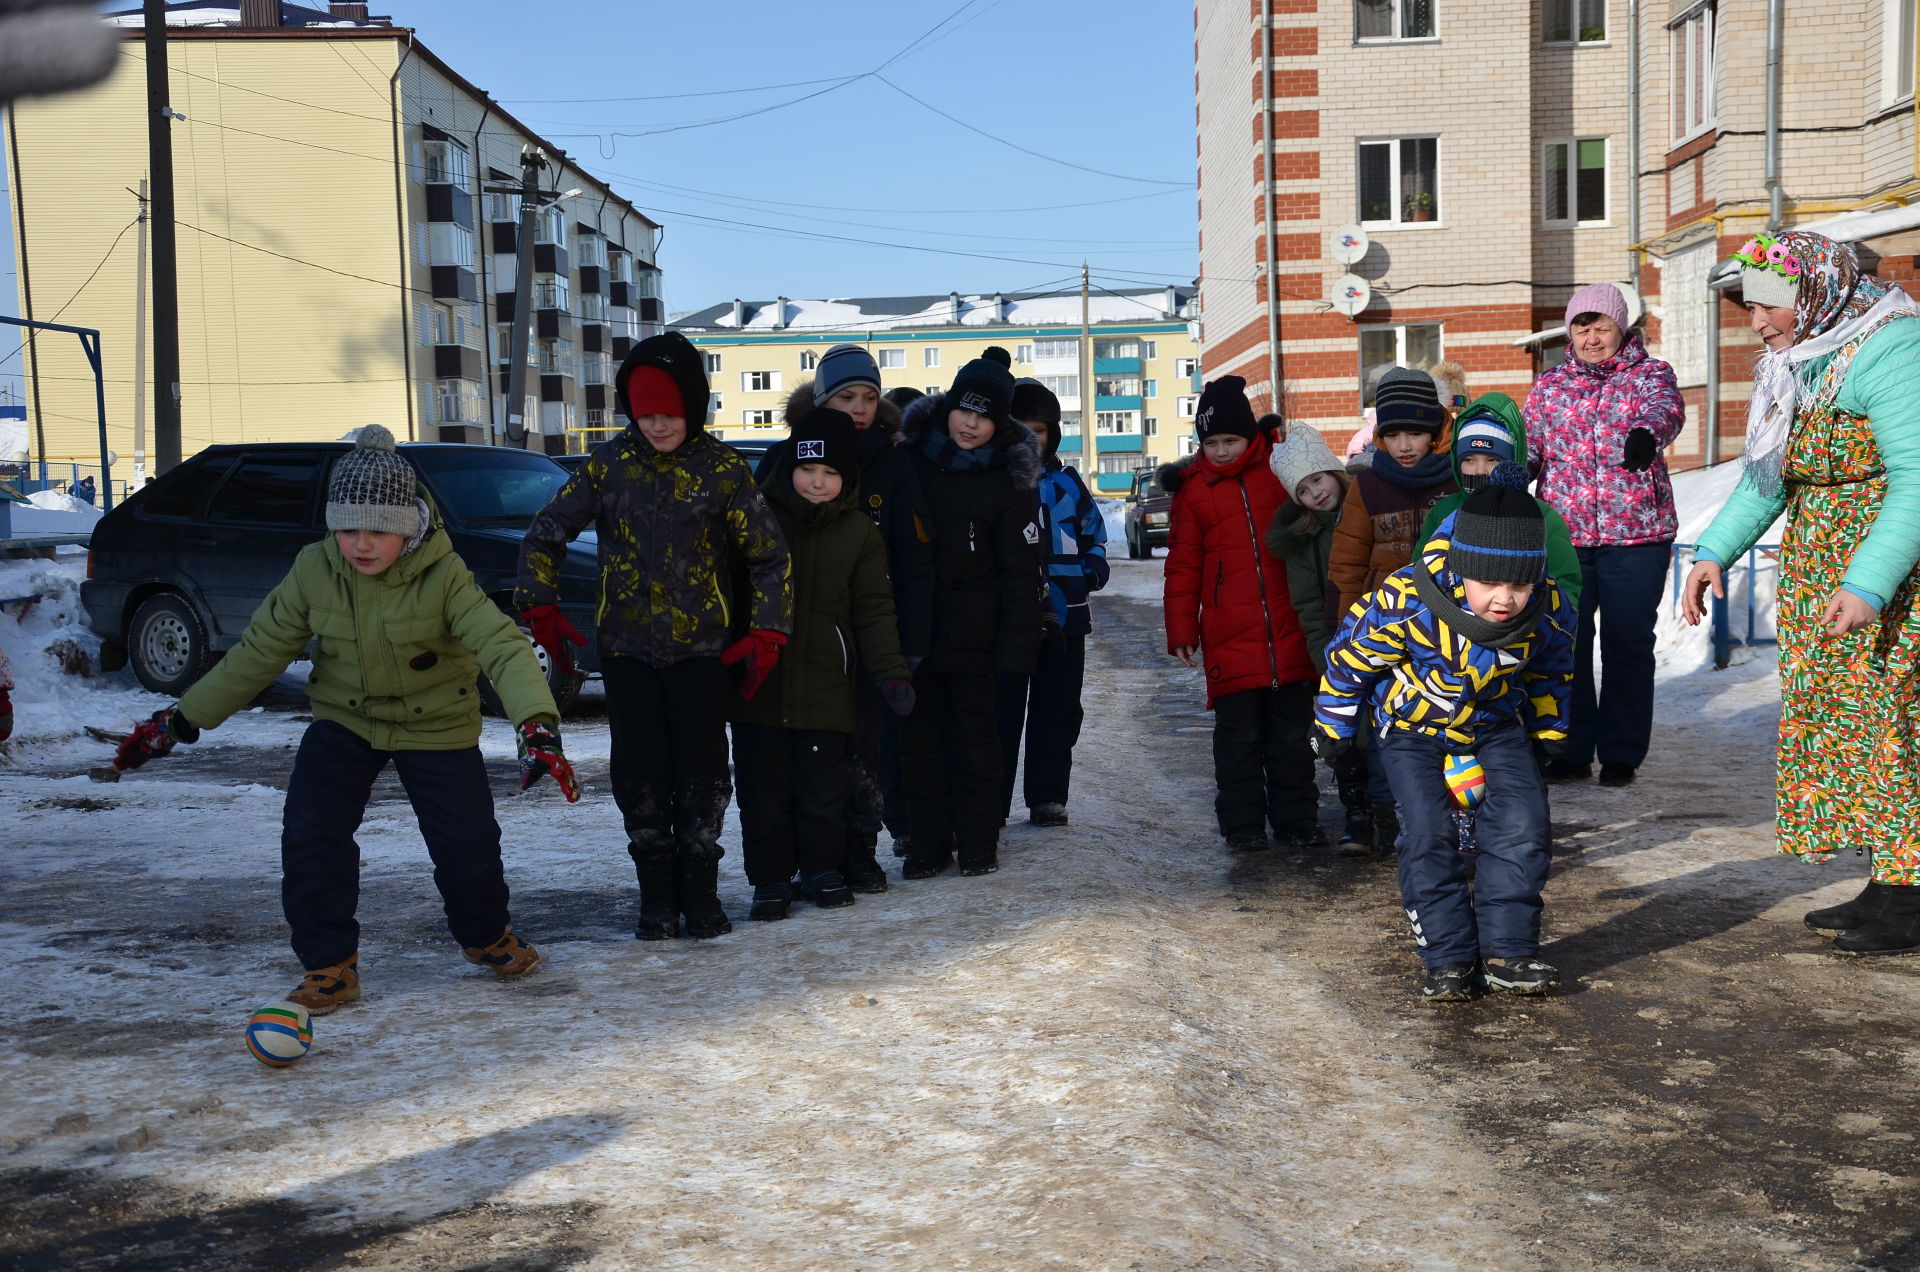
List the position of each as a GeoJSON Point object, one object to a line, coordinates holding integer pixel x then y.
{"type": "Point", "coordinates": [326, 988]}
{"type": "Point", "coordinates": [507, 956]}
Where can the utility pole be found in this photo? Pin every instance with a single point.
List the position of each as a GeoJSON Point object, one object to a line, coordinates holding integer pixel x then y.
{"type": "Point", "coordinates": [140, 348]}
{"type": "Point", "coordinates": [1089, 400]}
{"type": "Point", "coordinates": [166, 273]}
{"type": "Point", "coordinates": [532, 160]}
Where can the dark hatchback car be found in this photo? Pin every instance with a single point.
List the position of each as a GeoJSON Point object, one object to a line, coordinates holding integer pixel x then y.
{"type": "Point", "coordinates": [175, 571]}
{"type": "Point", "coordinates": [1149, 509]}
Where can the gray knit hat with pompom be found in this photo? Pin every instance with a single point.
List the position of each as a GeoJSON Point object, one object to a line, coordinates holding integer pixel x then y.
{"type": "Point", "coordinates": [373, 488]}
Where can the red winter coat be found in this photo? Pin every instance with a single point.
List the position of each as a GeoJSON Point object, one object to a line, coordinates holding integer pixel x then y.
{"type": "Point", "coordinates": [1225, 592]}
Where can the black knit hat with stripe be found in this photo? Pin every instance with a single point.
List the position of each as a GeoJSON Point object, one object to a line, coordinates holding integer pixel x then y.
{"type": "Point", "coordinates": [1405, 401]}
{"type": "Point", "coordinates": [1499, 536]}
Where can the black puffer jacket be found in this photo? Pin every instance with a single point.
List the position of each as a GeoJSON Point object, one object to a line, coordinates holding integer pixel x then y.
{"type": "Point", "coordinates": [988, 563]}
{"type": "Point", "coordinates": [891, 496]}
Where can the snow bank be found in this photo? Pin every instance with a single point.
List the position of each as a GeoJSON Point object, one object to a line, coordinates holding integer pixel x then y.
{"type": "Point", "coordinates": [1698, 497]}
{"type": "Point", "coordinates": [51, 512]}
{"type": "Point", "coordinates": [1114, 513]}
{"type": "Point", "coordinates": [49, 704]}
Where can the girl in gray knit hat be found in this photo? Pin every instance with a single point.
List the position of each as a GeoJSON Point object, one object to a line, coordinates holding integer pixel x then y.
{"type": "Point", "coordinates": [399, 632]}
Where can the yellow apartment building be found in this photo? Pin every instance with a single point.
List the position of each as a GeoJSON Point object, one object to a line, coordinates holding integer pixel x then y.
{"type": "Point", "coordinates": [1145, 363]}
{"type": "Point", "coordinates": [340, 262]}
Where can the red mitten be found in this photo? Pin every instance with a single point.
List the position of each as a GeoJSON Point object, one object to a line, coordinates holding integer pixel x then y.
{"type": "Point", "coordinates": [154, 736]}
{"type": "Point", "coordinates": [760, 650]}
{"type": "Point", "coordinates": [553, 633]}
{"type": "Point", "coordinates": [6, 714]}
{"type": "Point", "coordinates": [540, 754]}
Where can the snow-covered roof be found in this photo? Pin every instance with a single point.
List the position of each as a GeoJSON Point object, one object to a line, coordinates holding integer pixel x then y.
{"type": "Point", "coordinates": [880, 313]}
{"type": "Point", "coordinates": [211, 13]}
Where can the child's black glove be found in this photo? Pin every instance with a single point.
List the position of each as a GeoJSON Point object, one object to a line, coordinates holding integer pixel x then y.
{"type": "Point", "coordinates": [1551, 748]}
{"type": "Point", "coordinates": [1335, 751]}
{"type": "Point", "coordinates": [1638, 454]}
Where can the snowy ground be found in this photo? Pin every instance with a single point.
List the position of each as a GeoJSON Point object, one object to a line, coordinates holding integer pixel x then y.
{"type": "Point", "coordinates": [1125, 1050]}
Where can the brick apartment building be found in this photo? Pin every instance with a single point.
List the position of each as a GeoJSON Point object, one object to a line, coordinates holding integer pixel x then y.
{"type": "Point", "coordinates": [1484, 148]}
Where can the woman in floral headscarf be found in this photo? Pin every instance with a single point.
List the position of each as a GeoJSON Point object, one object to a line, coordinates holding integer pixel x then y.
{"type": "Point", "coordinates": [1833, 441]}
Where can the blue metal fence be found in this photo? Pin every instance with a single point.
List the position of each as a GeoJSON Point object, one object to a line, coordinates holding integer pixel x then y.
{"type": "Point", "coordinates": [1719, 608]}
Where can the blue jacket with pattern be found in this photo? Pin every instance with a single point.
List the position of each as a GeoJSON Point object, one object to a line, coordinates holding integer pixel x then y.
{"type": "Point", "coordinates": [1076, 547]}
{"type": "Point", "coordinates": [1421, 672]}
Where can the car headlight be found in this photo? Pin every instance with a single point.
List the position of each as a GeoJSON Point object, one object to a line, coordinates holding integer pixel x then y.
{"type": "Point", "coordinates": [1156, 518]}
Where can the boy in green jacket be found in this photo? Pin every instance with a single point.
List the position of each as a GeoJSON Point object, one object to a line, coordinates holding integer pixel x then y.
{"type": "Point", "coordinates": [790, 741]}
{"type": "Point", "coordinates": [1488, 432]}
{"type": "Point", "coordinates": [399, 631]}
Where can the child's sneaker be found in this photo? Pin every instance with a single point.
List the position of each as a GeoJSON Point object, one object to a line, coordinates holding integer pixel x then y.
{"type": "Point", "coordinates": [771, 901]}
{"type": "Point", "coordinates": [1048, 815]}
{"type": "Point", "coordinates": [1356, 838]}
{"type": "Point", "coordinates": [1454, 983]}
{"type": "Point", "coordinates": [1247, 841]}
{"type": "Point", "coordinates": [828, 889]}
{"type": "Point", "coordinates": [1522, 975]}
{"type": "Point", "coordinates": [326, 988]}
{"type": "Point", "coordinates": [508, 956]}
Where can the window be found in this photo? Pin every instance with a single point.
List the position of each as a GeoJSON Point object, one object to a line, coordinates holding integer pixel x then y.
{"type": "Point", "coordinates": [449, 326]}
{"type": "Point", "coordinates": [646, 283]}
{"type": "Point", "coordinates": [619, 266]}
{"type": "Point", "coordinates": [1186, 407]}
{"type": "Point", "coordinates": [934, 390]}
{"type": "Point", "coordinates": [930, 356]}
{"type": "Point", "coordinates": [556, 418]}
{"type": "Point", "coordinates": [1189, 444]}
{"type": "Point", "coordinates": [892, 358]}
{"type": "Point", "coordinates": [270, 490]}
{"type": "Point", "coordinates": [1416, 345]}
{"type": "Point", "coordinates": [1070, 424]}
{"type": "Point", "coordinates": [596, 368]}
{"type": "Point", "coordinates": [1400, 181]}
{"type": "Point", "coordinates": [1393, 20]}
{"type": "Point", "coordinates": [1693, 88]}
{"type": "Point", "coordinates": [1686, 309]}
{"type": "Point", "coordinates": [809, 359]}
{"type": "Point", "coordinates": [1117, 386]}
{"type": "Point", "coordinates": [1116, 348]}
{"type": "Point", "coordinates": [1149, 348]}
{"type": "Point", "coordinates": [449, 244]}
{"type": "Point", "coordinates": [550, 226]}
{"type": "Point", "coordinates": [1575, 185]}
{"type": "Point", "coordinates": [1109, 423]}
{"type": "Point", "coordinates": [597, 418]}
{"type": "Point", "coordinates": [457, 402]}
{"type": "Point", "coordinates": [593, 308]}
{"type": "Point", "coordinates": [589, 249]}
{"type": "Point", "coordinates": [503, 207]}
{"type": "Point", "coordinates": [556, 357]}
{"type": "Point", "coordinates": [713, 404]}
{"type": "Point", "coordinates": [1150, 427]}
{"type": "Point", "coordinates": [180, 492]}
{"type": "Point", "coordinates": [1896, 41]}
{"type": "Point", "coordinates": [1045, 349]}
{"type": "Point", "coordinates": [1023, 354]}
{"type": "Point", "coordinates": [444, 163]}
{"type": "Point", "coordinates": [759, 381]}
{"type": "Point", "coordinates": [1573, 21]}
{"type": "Point", "coordinates": [1066, 386]}
{"type": "Point", "coordinates": [1151, 388]}
{"type": "Point", "coordinates": [1124, 462]}
{"type": "Point", "coordinates": [551, 291]}
{"type": "Point", "coordinates": [713, 364]}
{"type": "Point", "coordinates": [759, 417]}
{"type": "Point", "coordinates": [1186, 368]}
{"type": "Point", "coordinates": [625, 322]}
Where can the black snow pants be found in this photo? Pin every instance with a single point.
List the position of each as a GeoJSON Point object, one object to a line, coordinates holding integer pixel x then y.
{"type": "Point", "coordinates": [950, 760]}
{"type": "Point", "coordinates": [793, 791]}
{"type": "Point", "coordinates": [668, 761]}
{"type": "Point", "coordinates": [1263, 759]}
{"type": "Point", "coordinates": [1046, 708]}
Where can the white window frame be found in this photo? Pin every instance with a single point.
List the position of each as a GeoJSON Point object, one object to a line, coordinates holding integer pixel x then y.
{"type": "Point", "coordinates": [1572, 175]}
{"type": "Point", "coordinates": [1070, 424]}
{"type": "Point", "coordinates": [1185, 368]}
{"type": "Point", "coordinates": [760, 418]}
{"type": "Point", "coordinates": [1571, 10]}
{"type": "Point", "coordinates": [809, 360]}
{"type": "Point", "coordinates": [1187, 405]}
{"type": "Point", "coordinates": [445, 163]}
{"type": "Point", "coordinates": [503, 207]}
{"type": "Point", "coordinates": [1150, 426]}
{"type": "Point", "coordinates": [1397, 198]}
{"type": "Point", "coordinates": [930, 356]}
{"type": "Point", "coordinates": [1897, 50]}
{"type": "Point", "coordinates": [449, 243]}
{"type": "Point", "coordinates": [893, 359]}
{"type": "Point", "coordinates": [457, 401]}
{"type": "Point", "coordinates": [1149, 348]}
{"type": "Point", "coordinates": [596, 368]}
{"type": "Point", "coordinates": [1062, 386]}
{"type": "Point", "coordinates": [588, 249]}
{"type": "Point", "coordinates": [759, 381]}
{"type": "Point", "coordinates": [1399, 359]}
{"type": "Point", "coordinates": [934, 390]}
{"type": "Point", "coordinates": [715, 405]}
{"type": "Point", "coordinates": [552, 291]}
{"type": "Point", "coordinates": [712, 363]}
{"type": "Point", "coordinates": [1023, 354]}
{"type": "Point", "coordinates": [1116, 423]}
{"type": "Point", "coordinates": [1398, 9]}
{"type": "Point", "coordinates": [1047, 350]}
{"type": "Point", "coordinates": [1686, 58]}
{"type": "Point", "coordinates": [1189, 445]}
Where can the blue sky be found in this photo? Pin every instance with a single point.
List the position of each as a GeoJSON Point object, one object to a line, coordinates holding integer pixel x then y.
{"type": "Point", "coordinates": [1103, 84]}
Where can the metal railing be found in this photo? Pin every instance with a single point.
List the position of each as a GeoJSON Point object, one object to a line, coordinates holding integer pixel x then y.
{"type": "Point", "coordinates": [1720, 608]}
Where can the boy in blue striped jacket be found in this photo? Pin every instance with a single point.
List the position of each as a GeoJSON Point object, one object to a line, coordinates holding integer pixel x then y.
{"type": "Point", "coordinates": [1467, 651]}
{"type": "Point", "coordinates": [1076, 565]}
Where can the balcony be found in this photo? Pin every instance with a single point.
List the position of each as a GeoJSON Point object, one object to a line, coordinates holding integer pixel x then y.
{"type": "Point", "coordinates": [450, 203]}
{"type": "Point", "coordinates": [1110, 442]}
{"type": "Point", "coordinates": [1132, 402]}
{"type": "Point", "coordinates": [593, 280]}
{"type": "Point", "coordinates": [458, 362]}
{"type": "Point", "coordinates": [1070, 445]}
{"type": "Point", "coordinates": [1118, 366]}
{"type": "Point", "coordinates": [550, 258]}
{"type": "Point", "coordinates": [452, 282]}
{"type": "Point", "coordinates": [1113, 483]}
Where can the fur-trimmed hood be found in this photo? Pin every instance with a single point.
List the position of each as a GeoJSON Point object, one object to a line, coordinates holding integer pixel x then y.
{"type": "Point", "coordinates": [1018, 443]}
{"type": "Point", "coordinates": [800, 401]}
{"type": "Point", "coordinates": [1171, 475]}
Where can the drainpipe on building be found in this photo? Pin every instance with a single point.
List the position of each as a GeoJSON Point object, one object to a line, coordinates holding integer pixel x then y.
{"type": "Point", "coordinates": [1710, 453]}
{"type": "Point", "coordinates": [1275, 368]}
{"type": "Point", "coordinates": [1775, 196]}
{"type": "Point", "coordinates": [1633, 143]}
{"type": "Point", "coordinates": [400, 226]}
{"type": "Point", "coordinates": [486, 256]}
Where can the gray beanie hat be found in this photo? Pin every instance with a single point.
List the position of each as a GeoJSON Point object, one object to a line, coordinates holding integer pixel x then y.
{"type": "Point", "coordinates": [840, 366]}
{"type": "Point", "coordinates": [373, 488]}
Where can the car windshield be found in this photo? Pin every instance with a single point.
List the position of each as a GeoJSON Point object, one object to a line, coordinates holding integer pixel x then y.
{"type": "Point", "coordinates": [1148, 486]}
{"type": "Point", "coordinates": [488, 485]}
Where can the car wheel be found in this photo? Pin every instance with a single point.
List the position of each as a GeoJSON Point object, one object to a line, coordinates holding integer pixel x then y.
{"type": "Point", "coordinates": [564, 688]}
{"type": "Point", "coordinates": [167, 644]}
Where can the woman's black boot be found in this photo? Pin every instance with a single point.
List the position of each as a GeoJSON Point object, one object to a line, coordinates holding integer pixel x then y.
{"type": "Point", "coordinates": [1849, 915]}
{"type": "Point", "coordinates": [1893, 929]}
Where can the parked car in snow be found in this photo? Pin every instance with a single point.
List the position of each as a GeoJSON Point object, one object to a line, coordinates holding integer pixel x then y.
{"type": "Point", "coordinates": [175, 572]}
{"type": "Point", "coordinates": [752, 449]}
{"type": "Point", "coordinates": [1148, 509]}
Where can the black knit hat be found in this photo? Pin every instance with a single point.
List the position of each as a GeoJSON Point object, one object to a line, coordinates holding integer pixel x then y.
{"type": "Point", "coordinates": [1032, 401]}
{"type": "Point", "coordinates": [826, 436]}
{"type": "Point", "coordinates": [986, 386]}
{"type": "Point", "coordinates": [1224, 409]}
{"type": "Point", "coordinates": [1499, 536]}
{"type": "Point", "coordinates": [1405, 401]}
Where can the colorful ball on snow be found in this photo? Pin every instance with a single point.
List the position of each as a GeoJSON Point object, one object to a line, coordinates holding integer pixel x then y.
{"type": "Point", "coordinates": [280, 1033]}
{"type": "Point", "coordinates": [1466, 780]}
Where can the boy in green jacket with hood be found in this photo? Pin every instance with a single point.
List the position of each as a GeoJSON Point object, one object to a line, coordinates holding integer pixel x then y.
{"type": "Point", "coordinates": [399, 631]}
{"type": "Point", "coordinates": [791, 761]}
{"type": "Point", "coordinates": [1489, 432]}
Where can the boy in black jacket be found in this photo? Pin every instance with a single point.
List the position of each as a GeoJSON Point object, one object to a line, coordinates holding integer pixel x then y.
{"type": "Point", "coordinates": [888, 490]}
{"type": "Point", "coordinates": [978, 467]}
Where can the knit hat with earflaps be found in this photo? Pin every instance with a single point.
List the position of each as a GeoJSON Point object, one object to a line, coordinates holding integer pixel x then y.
{"type": "Point", "coordinates": [1499, 536]}
{"type": "Point", "coordinates": [826, 436]}
{"type": "Point", "coordinates": [1406, 401]}
{"type": "Point", "coordinates": [373, 488]}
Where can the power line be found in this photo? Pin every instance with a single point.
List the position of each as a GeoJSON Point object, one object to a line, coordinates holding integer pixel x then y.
{"type": "Point", "coordinates": [665, 97]}
{"type": "Point", "coordinates": [295, 259]}
{"type": "Point", "coordinates": [291, 101]}
{"type": "Point", "coordinates": [32, 332]}
{"type": "Point", "coordinates": [832, 207]}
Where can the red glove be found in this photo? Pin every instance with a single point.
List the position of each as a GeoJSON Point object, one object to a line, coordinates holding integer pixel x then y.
{"type": "Point", "coordinates": [553, 633]}
{"type": "Point", "coordinates": [899, 696]}
{"type": "Point", "coordinates": [6, 714]}
{"type": "Point", "coordinates": [152, 737]}
{"type": "Point", "coordinates": [540, 754]}
{"type": "Point", "coordinates": [760, 649]}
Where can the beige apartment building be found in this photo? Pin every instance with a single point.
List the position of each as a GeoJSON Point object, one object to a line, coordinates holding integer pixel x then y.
{"type": "Point", "coordinates": [340, 262]}
{"type": "Point", "coordinates": [1498, 155]}
{"type": "Point", "coordinates": [1144, 361]}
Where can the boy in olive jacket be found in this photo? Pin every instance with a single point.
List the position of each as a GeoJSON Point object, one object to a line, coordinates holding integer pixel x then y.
{"type": "Point", "coordinates": [399, 631]}
{"type": "Point", "coordinates": [790, 740]}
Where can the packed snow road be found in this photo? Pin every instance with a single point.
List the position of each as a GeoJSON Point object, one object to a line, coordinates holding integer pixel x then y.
{"type": "Point", "coordinates": [1124, 1050]}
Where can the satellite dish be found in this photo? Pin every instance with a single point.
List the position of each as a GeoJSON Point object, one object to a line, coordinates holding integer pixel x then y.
{"type": "Point", "coordinates": [1350, 243]}
{"type": "Point", "coordinates": [1350, 294]}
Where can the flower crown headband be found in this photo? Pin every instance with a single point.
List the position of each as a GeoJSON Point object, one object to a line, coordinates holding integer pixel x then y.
{"type": "Point", "coordinates": [1765, 252]}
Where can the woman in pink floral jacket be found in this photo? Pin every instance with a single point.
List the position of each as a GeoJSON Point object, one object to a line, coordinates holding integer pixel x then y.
{"type": "Point", "coordinates": [1597, 424]}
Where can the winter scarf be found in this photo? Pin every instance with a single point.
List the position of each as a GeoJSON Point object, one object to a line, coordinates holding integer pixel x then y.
{"type": "Point", "coordinates": [948, 457]}
{"type": "Point", "coordinates": [1836, 303]}
{"type": "Point", "coordinates": [1476, 629]}
{"type": "Point", "coordinates": [1432, 470]}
